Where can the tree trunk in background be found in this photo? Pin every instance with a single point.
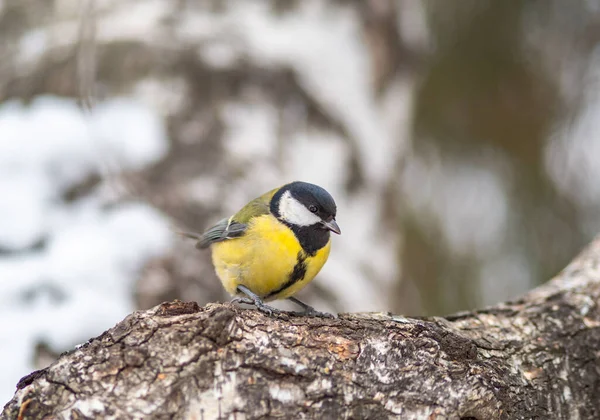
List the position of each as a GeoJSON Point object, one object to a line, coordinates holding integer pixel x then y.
{"type": "Point", "coordinates": [536, 357]}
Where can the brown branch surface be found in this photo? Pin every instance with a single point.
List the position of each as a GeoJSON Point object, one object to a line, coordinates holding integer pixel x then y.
{"type": "Point", "coordinates": [536, 357]}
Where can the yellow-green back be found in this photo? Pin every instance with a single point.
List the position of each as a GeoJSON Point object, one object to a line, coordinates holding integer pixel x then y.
{"type": "Point", "coordinates": [254, 208]}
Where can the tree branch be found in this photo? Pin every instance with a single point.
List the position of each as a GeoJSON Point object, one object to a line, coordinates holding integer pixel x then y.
{"type": "Point", "coordinates": [536, 357]}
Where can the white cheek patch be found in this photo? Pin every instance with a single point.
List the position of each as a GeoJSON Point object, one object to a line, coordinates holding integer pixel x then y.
{"type": "Point", "coordinates": [294, 212]}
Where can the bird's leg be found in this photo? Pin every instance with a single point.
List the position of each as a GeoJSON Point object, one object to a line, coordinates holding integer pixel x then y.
{"type": "Point", "coordinates": [253, 299]}
{"type": "Point", "coordinates": [309, 310]}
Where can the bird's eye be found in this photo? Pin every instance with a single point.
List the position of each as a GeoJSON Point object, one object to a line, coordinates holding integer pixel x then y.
{"type": "Point", "coordinates": [313, 209]}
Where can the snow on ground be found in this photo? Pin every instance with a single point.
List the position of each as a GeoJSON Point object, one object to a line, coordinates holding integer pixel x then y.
{"type": "Point", "coordinates": [79, 281]}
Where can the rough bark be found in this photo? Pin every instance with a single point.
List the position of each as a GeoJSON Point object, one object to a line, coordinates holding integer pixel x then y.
{"type": "Point", "coordinates": [536, 357]}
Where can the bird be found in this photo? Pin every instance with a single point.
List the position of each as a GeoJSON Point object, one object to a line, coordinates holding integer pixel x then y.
{"type": "Point", "coordinates": [274, 246]}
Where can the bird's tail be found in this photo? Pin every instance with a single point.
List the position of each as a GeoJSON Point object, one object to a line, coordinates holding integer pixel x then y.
{"type": "Point", "coordinates": [190, 235]}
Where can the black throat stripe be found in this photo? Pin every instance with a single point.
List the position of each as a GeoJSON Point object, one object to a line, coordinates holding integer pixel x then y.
{"type": "Point", "coordinates": [295, 276]}
{"type": "Point", "coordinates": [311, 238]}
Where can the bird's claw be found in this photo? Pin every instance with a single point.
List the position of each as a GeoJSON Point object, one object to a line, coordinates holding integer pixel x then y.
{"type": "Point", "coordinates": [324, 315]}
{"type": "Point", "coordinates": [266, 309]}
{"type": "Point", "coordinates": [312, 312]}
{"type": "Point", "coordinates": [245, 300]}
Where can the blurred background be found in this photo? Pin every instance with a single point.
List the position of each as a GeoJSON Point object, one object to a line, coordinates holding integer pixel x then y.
{"type": "Point", "coordinates": [460, 139]}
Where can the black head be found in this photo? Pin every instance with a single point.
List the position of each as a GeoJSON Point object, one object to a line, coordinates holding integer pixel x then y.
{"type": "Point", "coordinates": [300, 204]}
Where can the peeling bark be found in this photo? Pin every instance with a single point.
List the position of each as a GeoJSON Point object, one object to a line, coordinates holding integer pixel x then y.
{"type": "Point", "coordinates": [536, 357]}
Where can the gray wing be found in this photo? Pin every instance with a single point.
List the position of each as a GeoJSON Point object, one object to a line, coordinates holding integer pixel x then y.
{"type": "Point", "coordinates": [224, 229]}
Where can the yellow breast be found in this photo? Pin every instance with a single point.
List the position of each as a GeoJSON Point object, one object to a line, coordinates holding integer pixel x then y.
{"type": "Point", "coordinates": [268, 260]}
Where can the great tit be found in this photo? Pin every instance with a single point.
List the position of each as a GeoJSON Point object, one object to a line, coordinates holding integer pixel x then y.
{"type": "Point", "coordinates": [274, 246]}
